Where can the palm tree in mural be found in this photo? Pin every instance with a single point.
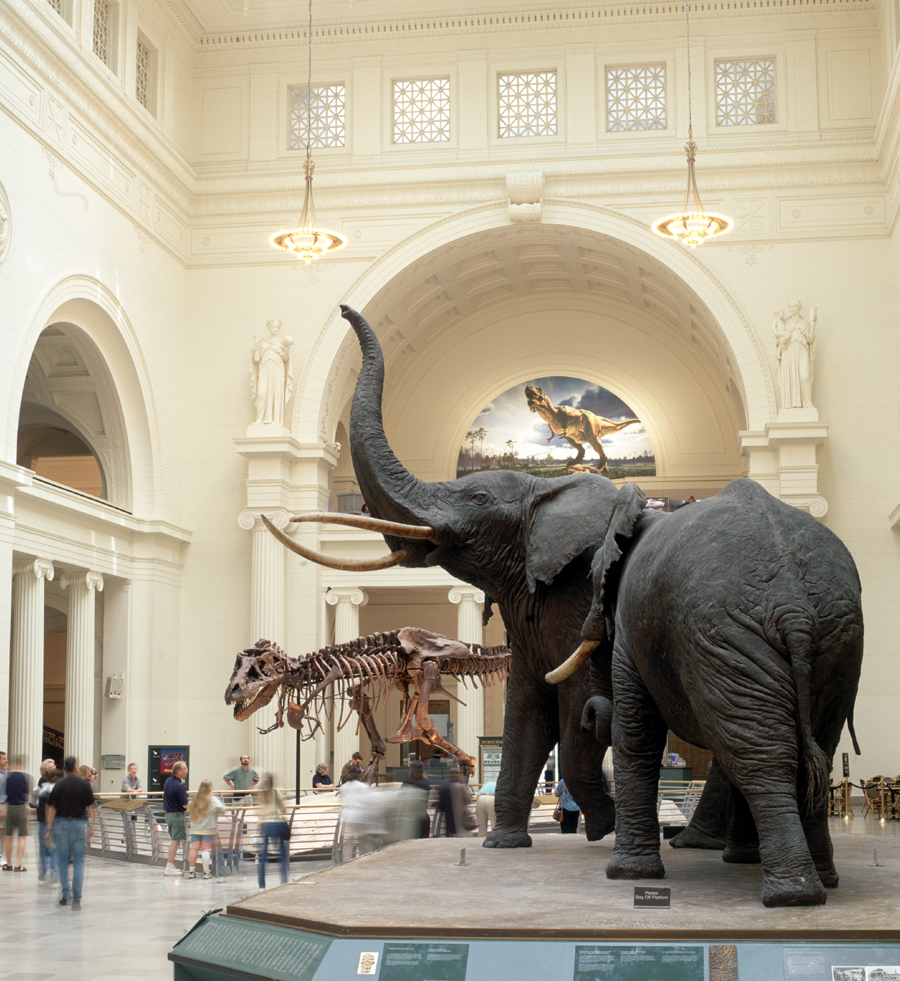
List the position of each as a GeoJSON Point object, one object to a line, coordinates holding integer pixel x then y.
{"type": "Point", "coordinates": [511, 443]}
{"type": "Point", "coordinates": [470, 439]}
{"type": "Point", "coordinates": [480, 434]}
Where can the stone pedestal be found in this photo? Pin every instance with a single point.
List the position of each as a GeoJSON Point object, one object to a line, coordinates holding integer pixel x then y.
{"type": "Point", "coordinates": [783, 458]}
{"type": "Point", "coordinates": [80, 651]}
{"type": "Point", "coordinates": [26, 710]}
{"type": "Point", "coordinates": [469, 717]}
{"type": "Point", "coordinates": [346, 601]}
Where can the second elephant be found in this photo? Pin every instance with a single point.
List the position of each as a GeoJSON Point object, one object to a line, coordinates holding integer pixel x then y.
{"type": "Point", "coordinates": [736, 623]}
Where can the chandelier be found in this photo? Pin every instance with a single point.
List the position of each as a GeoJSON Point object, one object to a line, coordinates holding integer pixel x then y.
{"type": "Point", "coordinates": [693, 224]}
{"type": "Point", "coordinates": [308, 240]}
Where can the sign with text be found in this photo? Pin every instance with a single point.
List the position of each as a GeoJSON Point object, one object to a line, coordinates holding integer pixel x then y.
{"type": "Point", "coordinates": [424, 962]}
{"type": "Point", "coordinates": [652, 898]}
{"type": "Point", "coordinates": [640, 963]}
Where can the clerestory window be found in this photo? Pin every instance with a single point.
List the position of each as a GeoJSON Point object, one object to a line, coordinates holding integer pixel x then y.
{"type": "Point", "coordinates": [635, 98]}
{"type": "Point", "coordinates": [317, 115]}
{"type": "Point", "coordinates": [422, 110]}
{"type": "Point", "coordinates": [745, 92]}
{"type": "Point", "coordinates": [527, 104]}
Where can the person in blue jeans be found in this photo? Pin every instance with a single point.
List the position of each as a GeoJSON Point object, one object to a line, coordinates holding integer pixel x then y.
{"type": "Point", "coordinates": [70, 823]}
{"type": "Point", "coordinates": [571, 811]}
{"type": "Point", "coordinates": [273, 824]}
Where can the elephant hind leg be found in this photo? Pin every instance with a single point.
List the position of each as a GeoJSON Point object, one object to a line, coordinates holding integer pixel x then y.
{"type": "Point", "coordinates": [639, 738]}
{"type": "Point", "coordinates": [707, 827]}
{"type": "Point", "coordinates": [743, 841]}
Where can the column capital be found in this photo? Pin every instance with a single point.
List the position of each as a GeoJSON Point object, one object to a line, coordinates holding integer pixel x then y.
{"type": "Point", "coordinates": [40, 568]}
{"type": "Point", "coordinates": [348, 594]}
{"type": "Point", "coordinates": [249, 519]}
{"type": "Point", "coordinates": [93, 580]}
{"type": "Point", "coordinates": [469, 594]}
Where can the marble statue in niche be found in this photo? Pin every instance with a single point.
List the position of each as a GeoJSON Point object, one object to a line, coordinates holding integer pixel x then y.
{"type": "Point", "coordinates": [271, 375]}
{"type": "Point", "coordinates": [795, 346]}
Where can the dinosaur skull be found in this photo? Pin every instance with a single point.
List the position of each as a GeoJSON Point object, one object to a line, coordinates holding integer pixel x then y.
{"type": "Point", "coordinates": [258, 671]}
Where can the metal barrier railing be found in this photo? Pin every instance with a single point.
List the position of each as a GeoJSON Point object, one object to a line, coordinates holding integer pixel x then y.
{"type": "Point", "coordinates": [135, 830]}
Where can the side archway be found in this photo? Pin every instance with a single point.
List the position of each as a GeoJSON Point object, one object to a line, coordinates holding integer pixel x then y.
{"type": "Point", "coordinates": [84, 312]}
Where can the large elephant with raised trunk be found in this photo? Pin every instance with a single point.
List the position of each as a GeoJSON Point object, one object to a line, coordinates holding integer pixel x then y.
{"type": "Point", "coordinates": [736, 623]}
{"type": "Point", "coordinates": [527, 542]}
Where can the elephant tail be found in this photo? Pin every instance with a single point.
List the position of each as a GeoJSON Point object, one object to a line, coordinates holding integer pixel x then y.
{"type": "Point", "coordinates": [815, 770]}
{"type": "Point", "coordinates": [853, 732]}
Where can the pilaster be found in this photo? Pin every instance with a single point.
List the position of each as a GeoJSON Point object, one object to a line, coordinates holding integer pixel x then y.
{"type": "Point", "coordinates": [26, 716]}
{"type": "Point", "coordinates": [470, 716]}
{"type": "Point", "coordinates": [346, 600]}
{"type": "Point", "coordinates": [81, 647]}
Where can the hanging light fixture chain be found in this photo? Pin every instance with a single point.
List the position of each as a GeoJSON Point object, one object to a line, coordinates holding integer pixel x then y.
{"type": "Point", "coordinates": [309, 83]}
{"type": "Point", "coordinates": [687, 15]}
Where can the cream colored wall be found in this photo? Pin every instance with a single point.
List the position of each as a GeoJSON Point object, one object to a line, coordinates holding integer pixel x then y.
{"type": "Point", "coordinates": [171, 215]}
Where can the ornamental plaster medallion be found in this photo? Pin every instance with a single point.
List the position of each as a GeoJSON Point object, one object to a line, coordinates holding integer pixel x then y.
{"type": "Point", "coordinates": [5, 224]}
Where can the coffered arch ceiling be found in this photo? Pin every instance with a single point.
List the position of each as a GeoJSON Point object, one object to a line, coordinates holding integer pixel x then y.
{"type": "Point", "coordinates": [483, 313]}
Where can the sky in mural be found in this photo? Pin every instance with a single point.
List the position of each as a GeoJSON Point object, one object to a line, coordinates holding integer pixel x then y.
{"type": "Point", "coordinates": [508, 418]}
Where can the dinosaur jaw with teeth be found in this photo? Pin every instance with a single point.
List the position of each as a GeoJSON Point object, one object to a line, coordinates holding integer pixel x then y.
{"type": "Point", "coordinates": [246, 706]}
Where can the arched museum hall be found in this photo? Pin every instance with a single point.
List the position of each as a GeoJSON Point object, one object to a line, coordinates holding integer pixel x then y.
{"type": "Point", "coordinates": [495, 174]}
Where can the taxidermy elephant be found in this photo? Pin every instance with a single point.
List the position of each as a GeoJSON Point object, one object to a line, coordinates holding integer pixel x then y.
{"type": "Point", "coordinates": [736, 623]}
{"type": "Point", "coordinates": [527, 542]}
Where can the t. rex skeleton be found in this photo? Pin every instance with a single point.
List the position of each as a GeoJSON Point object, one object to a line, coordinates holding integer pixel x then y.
{"type": "Point", "coordinates": [363, 672]}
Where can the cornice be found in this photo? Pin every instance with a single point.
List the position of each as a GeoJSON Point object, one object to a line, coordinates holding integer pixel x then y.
{"type": "Point", "coordinates": [62, 67]}
{"type": "Point", "coordinates": [525, 18]}
{"type": "Point", "coordinates": [181, 15]}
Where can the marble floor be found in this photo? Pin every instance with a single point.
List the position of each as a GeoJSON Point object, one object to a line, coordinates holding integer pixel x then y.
{"type": "Point", "coordinates": [132, 915]}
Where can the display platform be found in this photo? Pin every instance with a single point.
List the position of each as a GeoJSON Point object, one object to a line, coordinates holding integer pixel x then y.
{"type": "Point", "coordinates": [411, 913]}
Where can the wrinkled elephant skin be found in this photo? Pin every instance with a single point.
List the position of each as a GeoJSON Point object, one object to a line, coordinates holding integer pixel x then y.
{"type": "Point", "coordinates": [736, 622]}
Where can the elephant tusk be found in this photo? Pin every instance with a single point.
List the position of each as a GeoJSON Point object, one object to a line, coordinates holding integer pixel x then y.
{"type": "Point", "coordinates": [568, 668]}
{"type": "Point", "coordinates": [347, 565]}
{"type": "Point", "coordinates": [369, 524]}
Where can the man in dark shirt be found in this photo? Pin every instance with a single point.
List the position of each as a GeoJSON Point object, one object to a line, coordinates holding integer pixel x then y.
{"type": "Point", "coordinates": [18, 788]}
{"type": "Point", "coordinates": [70, 822]}
{"type": "Point", "coordinates": [175, 802]}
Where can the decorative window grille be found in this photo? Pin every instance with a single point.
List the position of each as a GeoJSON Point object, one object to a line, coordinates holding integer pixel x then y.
{"type": "Point", "coordinates": [57, 6]}
{"type": "Point", "coordinates": [636, 98]}
{"type": "Point", "coordinates": [101, 30]}
{"type": "Point", "coordinates": [745, 92]}
{"type": "Point", "coordinates": [422, 110]}
{"type": "Point", "coordinates": [142, 84]}
{"type": "Point", "coordinates": [323, 106]}
{"type": "Point", "coordinates": [527, 104]}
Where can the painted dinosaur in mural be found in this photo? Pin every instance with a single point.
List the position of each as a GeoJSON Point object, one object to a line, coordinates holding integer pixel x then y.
{"type": "Point", "coordinates": [576, 426]}
{"type": "Point", "coordinates": [356, 677]}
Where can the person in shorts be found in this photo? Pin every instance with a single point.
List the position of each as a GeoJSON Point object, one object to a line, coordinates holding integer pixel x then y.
{"type": "Point", "coordinates": [175, 803]}
{"type": "Point", "coordinates": [204, 812]}
{"type": "Point", "coordinates": [18, 790]}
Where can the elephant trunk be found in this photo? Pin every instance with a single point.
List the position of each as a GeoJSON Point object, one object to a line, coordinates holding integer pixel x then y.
{"type": "Point", "coordinates": [388, 488]}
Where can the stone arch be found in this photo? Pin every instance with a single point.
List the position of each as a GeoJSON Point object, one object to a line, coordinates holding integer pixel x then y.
{"type": "Point", "coordinates": [317, 409]}
{"type": "Point", "coordinates": [87, 308]}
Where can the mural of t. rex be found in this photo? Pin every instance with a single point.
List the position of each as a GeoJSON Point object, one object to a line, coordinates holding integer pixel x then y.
{"type": "Point", "coordinates": [576, 426]}
{"type": "Point", "coordinates": [357, 676]}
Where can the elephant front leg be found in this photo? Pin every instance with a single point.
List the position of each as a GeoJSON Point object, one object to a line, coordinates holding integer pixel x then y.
{"type": "Point", "coordinates": [530, 729]}
{"type": "Point", "coordinates": [639, 739]}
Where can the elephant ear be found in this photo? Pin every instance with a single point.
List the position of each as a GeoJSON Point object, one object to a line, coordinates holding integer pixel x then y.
{"type": "Point", "coordinates": [569, 515]}
{"type": "Point", "coordinates": [607, 565]}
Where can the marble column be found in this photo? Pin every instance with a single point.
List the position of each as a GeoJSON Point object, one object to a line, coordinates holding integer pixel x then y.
{"type": "Point", "coordinates": [26, 709]}
{"type": "Point", "coordinates": [266, 623]}
{"type": "Point", "coordinates": [81, 646]}
{"type": "Point", "coordinates": [469, 717]}
{"type": "Point", "coordinates": [346, 600]}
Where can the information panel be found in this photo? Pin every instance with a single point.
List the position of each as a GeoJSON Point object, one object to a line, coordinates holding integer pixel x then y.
{"type": "Point", "coordinates": [424, 962]}
{"type": "Point", "coordinates": [639, 963]}
{"type": "Point", "coordinates": [255, 948]}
